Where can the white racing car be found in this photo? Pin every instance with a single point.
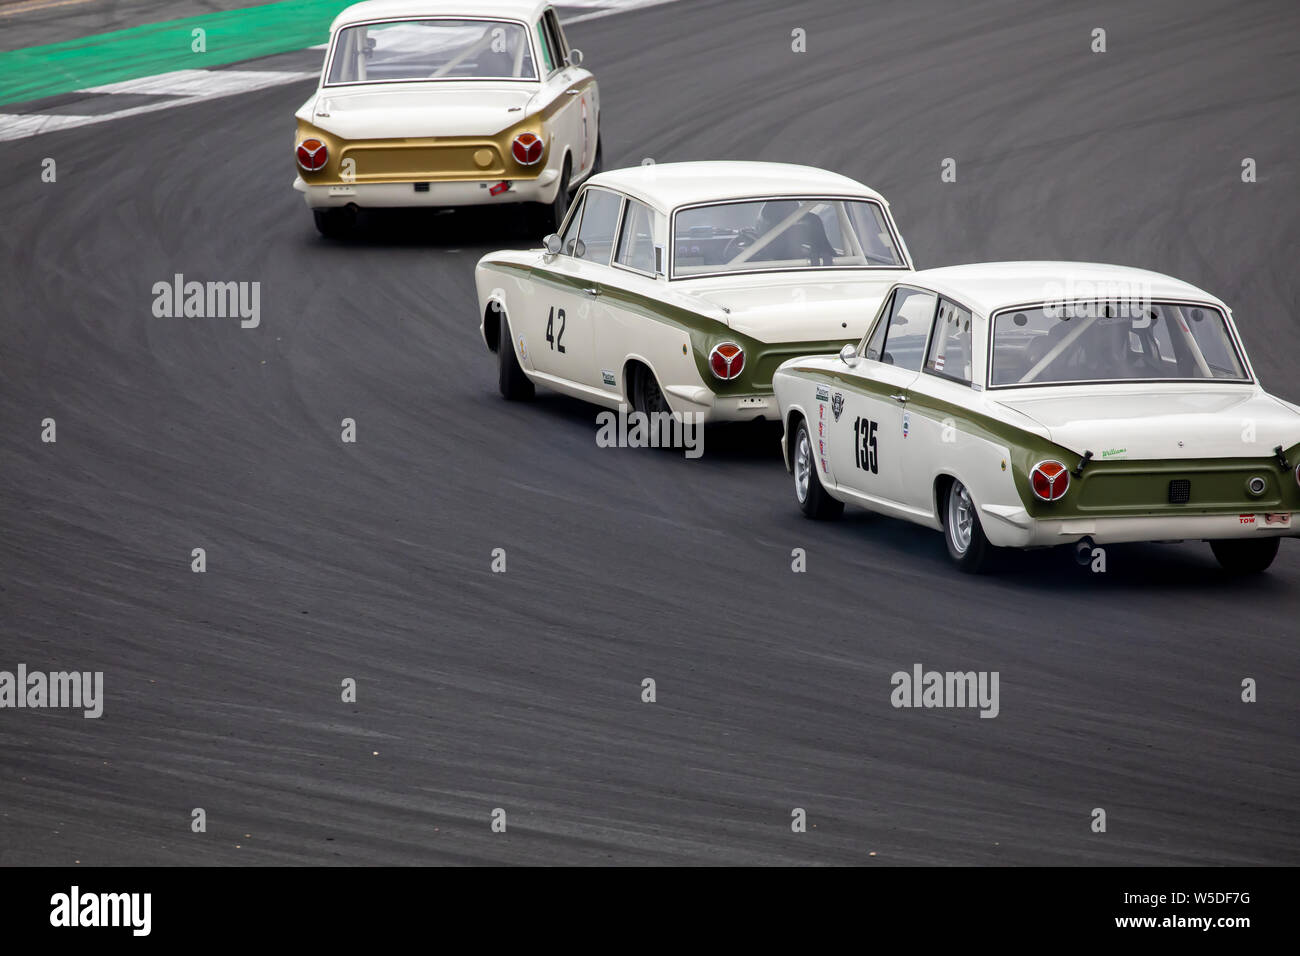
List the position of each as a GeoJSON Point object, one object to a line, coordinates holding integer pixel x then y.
{"type": "Point", "coordinates": [679, 288]}
{"type": "Point", "coordinates": [1026, 404]}
{"type": "Point", "coordinates": [447, 103]}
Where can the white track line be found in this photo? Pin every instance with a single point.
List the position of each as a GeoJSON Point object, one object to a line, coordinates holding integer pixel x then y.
{"type": "Point", "coordinates": [186, 87]}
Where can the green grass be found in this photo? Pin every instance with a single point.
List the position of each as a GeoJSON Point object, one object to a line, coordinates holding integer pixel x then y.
{"type": "Point", "coordinates": [231, 36]}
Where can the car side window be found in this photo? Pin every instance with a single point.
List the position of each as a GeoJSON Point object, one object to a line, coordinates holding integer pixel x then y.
{"type": "Point", "coordinates": [599, 222]}
{"type": "Point", "coordinates": [556, 36]}
{"type": "Point", "coordinates": [543, 40]}
{"type": "Point", "coordinates": [876, 344]}
{"type": "Point", "coordinates": [909, 323]}
{"type": "Point", "coordinates": [636, 241]}
{"type": "Point", "coordinates": [949, 354]}
{"type": "Point", "coordinates": [569, 240]}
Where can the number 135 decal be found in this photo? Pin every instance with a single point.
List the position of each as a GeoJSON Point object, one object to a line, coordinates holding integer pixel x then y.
{"type": "Point", "coordinates": [865, 453]}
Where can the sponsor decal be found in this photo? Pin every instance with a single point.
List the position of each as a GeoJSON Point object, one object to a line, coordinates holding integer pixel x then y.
{"type": "Point", "coordinates": [821, 429]}
{"type": "Point", "coordinates": [607, 377]}
{"type": "Point", "coordinates": [825, 467]}
{"type": "Point", "coordinates": [1004, 464]}
{"type": "Point", "coordinates": [821, 446]}
{"type": "Point", "coordinates": [523, 349]}
{"type": "Point", "coordinates": [1246, 519]}
{"type": "Point", "coordinates": [1116, 452]}
{"type": "Point", "coordinates": [823, 393]}
{"type": "Point", "coordinates": [907, 423]}
{"type": "Point", "coordinates": [938, 363]}
{"type": "Point", "coordinates": [837, 404]}
{"type": "Point", "coordinates": [821, 411]}
{"type": "Point", "coordinates": [498, 189]}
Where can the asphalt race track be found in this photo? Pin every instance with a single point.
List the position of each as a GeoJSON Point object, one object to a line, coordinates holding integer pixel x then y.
{"type": "Point", "coordinates": [522, 690]}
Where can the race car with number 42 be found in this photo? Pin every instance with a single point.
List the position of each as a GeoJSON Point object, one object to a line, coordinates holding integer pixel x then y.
{"type": "Point", "coordinates": [679, 288]}
{"type": "Point", "coordinates": [1029, 404]}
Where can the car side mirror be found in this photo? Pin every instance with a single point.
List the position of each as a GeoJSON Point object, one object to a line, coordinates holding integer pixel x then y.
{"type": "Point", "coordinates": [552, 244]}
{"type": "Point", "coordinates": [849, 355]}
{"type": "Point", "coordinates": [575, 57]}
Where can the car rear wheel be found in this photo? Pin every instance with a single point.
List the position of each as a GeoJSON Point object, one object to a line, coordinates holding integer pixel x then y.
{"type": "Point", "coordinates": [1245, 555]}
{"type": "Point", "coordinates": [967, 546]}
{"type": "Point", "coordinates": [514, 384]}
{"type": "Point", "coordinates": [335, 223]}
{"type": "Point", "coordinates": [814, 501]}
{"type": "Point", "coordinates": [550, 216]}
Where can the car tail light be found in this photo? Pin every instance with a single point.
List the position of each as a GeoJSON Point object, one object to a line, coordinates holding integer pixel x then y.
{"type": "Point", "coordinates": [727, 360]}
{"type": "Point", "coordinates": [527, 149]}
{"type": "Point", "coordinates": [1049, 479]}
{"type": "Point", "coordinates": [312, 155]}
{"type": "Point", "coordinates": [1297, 474]}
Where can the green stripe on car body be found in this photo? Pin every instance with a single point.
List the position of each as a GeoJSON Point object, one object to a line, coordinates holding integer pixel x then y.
{"type": "Point", "coordinates": [229, 36]}
{"type": "Point", "coordinates": [761, 358]}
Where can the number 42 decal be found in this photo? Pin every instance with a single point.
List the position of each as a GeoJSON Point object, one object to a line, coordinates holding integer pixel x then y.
{"type": "Point", "coordinates": [865, 453]}
{"type": "Point", "coordinates": [556, 341]}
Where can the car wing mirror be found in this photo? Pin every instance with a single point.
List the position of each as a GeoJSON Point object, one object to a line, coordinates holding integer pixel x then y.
{"type": "Point", "coordinates": [575, 57]}
{"type": "Point", "coordinates": [849, 355]}
{"type": "Point", "coordinates": [552, 244]}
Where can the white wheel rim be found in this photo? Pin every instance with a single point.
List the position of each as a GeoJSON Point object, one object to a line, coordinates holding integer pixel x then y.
{"type": "Point", "coordinates": [802, 467]}
{"type": "Point", "coordinates": [961, 517]}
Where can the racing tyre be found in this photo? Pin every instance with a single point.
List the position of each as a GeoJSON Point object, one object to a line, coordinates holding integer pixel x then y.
{"type": "Point", "coordinates": [550, 216]}
{"type": "Point", "coordinates": [962, 532]}
{"type": "Point", "coordinates": [1245, 555]}
{"type": "Point", "coordinates": [335, 223]}
{"type": "Point", "coordinates": [514, 384]}
{"type": "Point", "coordinates": [648, 397]}
{"type": "Point", "coordinates": [813, 499]}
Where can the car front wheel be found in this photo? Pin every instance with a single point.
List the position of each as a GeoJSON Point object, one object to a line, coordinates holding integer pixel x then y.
{"type": "Point", "coordinates": [814, 500]}
{"type": "Point", "coordinates": [1245, 555]}
{"type": "Point", "coordinates": [514, 384]}
{"type": "Point", "coordinates": [967, 546]}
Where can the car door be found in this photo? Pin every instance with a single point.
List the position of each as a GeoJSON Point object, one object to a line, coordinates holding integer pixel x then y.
{"type": "Point", "coordinates": [566, 312]}
{"type": "Point", "coordinates": [866, 426]}
{"type": "Point", "coordinates": [936, 443]}
{"type": "Point", "coordinates": [561, 99]}
{"type": "Point", "coordinates": [638, 263]}
{"type": "Point", "coordinates": [580, 88]}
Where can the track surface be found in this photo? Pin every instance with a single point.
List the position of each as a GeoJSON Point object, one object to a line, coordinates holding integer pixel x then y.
{"type": "Point", "coordinates": [522, 690]}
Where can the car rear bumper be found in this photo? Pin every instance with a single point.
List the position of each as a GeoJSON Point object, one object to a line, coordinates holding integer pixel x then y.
{"type": "Point", "coordinates": [722, 408]}
{"type": "Point", "coordinates": [467, 192]}
{"type": "Point", "coordinates": [1014, 527]}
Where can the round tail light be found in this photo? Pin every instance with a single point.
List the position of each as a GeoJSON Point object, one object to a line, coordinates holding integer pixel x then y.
{"type": "Point", "coordinates": [1049, 479]}
{"type": "Point", "coordinates": [527, 149]}
{"type": "Point", "coordinates": [1297, 474]}
{"type": "Point", "coordinates": [727, 360]}
{"type": "Point", "coordinates": [312, 155]}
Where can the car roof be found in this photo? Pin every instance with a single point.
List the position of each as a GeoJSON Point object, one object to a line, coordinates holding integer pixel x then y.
{"type": "Point", "coordinates": [987, 287]}
{"type": "Point", "coordinates": [528, 10]}
{"type": "Point", "coordinates": [670, 185]}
